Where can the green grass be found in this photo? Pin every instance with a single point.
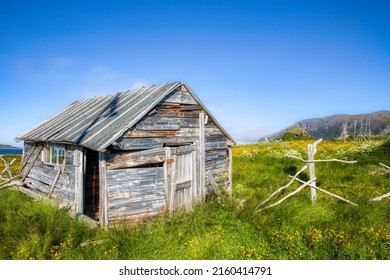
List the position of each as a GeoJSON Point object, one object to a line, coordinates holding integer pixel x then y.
{"type": "Point", "coordinates": [231, 227]}
{"type": "Point", "coordinates": [14, 167]}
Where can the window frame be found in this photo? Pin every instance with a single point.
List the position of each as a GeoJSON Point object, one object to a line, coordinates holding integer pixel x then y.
{"type": "Point", "coordinates": [54, 154]}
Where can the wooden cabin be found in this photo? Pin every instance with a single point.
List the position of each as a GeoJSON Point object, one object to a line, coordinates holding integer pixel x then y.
{"type": "Point", "coordinates": [129, 155]}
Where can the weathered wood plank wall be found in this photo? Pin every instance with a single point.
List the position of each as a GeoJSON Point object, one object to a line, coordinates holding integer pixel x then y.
{"type": "Point", "coordinates": [41, 176]}
{"type": "Point", "coordinates": [132, 192]}
{"type": "Point", "coordinates": [144, 178]}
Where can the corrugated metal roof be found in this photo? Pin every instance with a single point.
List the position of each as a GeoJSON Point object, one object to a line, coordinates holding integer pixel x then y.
{"type": "Point", "coordinates": [97, 122]}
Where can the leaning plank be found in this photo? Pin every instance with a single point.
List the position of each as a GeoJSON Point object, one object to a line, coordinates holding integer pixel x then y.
{"type": "Point", "coordinates": [384, 165]}
{"type": "Point", "coordinates": [380, 197]}
{"type": "Point", "coordinates": [7, 181]}
{"type": "Point", "coordinates": [327, 192]}
{"type": "Point", "coordinates": [286, 186]}
{"type": "Point", "coordinates": [27, 158]}
{"type": "Point", "coordinates": [56, 178]}
{"type": "Point", "coordinates": [291, 194]}
{"type": "Point", "coordinates": [29, 167]}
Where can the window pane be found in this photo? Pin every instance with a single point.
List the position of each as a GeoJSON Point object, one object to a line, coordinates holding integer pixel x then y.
{"type": "Point", "coordinates": [54, 154]}
{"type": "Point", "coordinates": [61, 154]}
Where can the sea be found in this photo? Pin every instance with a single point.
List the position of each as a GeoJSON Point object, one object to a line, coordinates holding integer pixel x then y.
{"type": "Point", "coordinates": [13, 151]}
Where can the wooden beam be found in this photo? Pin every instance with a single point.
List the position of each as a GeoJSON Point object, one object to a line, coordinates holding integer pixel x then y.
{"type": "Point", "coordinates": [103, 207]}
{"type": "Point", "coordinates": [286, 186]}
{"type": "Point", "coordinates": [60, 171]}
{"type": "Point", "coordinates": [291, 194]}
{"type": "Point", "coordinates": [79, 180]}
{"type": "Point", "coordinates": [202, 167]}
{"type": "Point", "coordinates": [384, 165]}
{"type": "Point", "coordinates": [325, 191]}
{"type": "Point", "coordinates": [381, 197]}
{"type": "Point", "coordinates": [29, 167]}
{"type": "Point", "coordinates": [230, 169]}
{"type": "Point", "coordinates": [311, 150]}
{"type": "Point", "coordinates": [321, 160]}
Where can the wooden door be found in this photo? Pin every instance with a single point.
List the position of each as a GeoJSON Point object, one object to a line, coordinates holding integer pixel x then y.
{"type": "Point", "coordinates": [182, 177]}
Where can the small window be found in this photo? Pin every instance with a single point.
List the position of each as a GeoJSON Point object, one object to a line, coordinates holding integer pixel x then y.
{"type": "Point", "coordinates": [54, 154]}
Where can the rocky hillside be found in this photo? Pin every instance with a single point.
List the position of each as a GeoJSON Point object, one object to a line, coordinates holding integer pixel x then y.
{"type": "Point", "coordinates": [378, 123]}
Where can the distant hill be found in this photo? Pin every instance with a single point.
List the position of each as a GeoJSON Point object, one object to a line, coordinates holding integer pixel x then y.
{"type": "Point", "coordinates": [331, 127]}
{"type": "Point", "coordinates": [3, 146]}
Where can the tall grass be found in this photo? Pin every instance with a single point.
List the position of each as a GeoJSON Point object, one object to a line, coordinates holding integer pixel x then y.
{"type": "Point", "coordinates": [231, 227]}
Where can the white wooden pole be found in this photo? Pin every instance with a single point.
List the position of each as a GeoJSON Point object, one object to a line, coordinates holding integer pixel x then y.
{"type": "Point", "coordinates": [311, 149]}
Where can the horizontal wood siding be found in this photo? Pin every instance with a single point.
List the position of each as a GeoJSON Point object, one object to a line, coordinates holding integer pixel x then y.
{"type": "Point", "coordinates": [217, 159]}
{"type": "Point", "coordinates": [117, 160]}
{"type": "Point", "coordinates": [41, 176]}
{"type": "Point", "coordinates": [174, 121]}
{"type": "Point", "coordinates": [169, 134]}
{"type": "Point", "coordinates": [134, 192]}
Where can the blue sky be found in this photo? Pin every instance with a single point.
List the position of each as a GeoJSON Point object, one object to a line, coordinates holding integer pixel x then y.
{"type": "Point", "coordinates": [258, 66]}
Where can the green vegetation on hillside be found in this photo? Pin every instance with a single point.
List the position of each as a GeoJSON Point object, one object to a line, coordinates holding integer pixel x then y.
{"type": "Point", "coordinates": [296, 133]}
{"type": "Point", "coordinates": [232, 227]}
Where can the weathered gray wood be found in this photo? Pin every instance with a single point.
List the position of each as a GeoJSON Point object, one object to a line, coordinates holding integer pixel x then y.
{"type": "Point", "coordinates": [202, 149]}
{"type": "Point", "coordinates": [60, 171]}
{"type": "Point", "coordinates": [27, 157]}
{"type": "Point", "coordinates": [385, 166]}
{"type": "Point", "coordinates": [46, 173]}
{"type": "Point", "coordinates": [7, 168]}
{"type": "Point", "coordinates": [135, 191]}
{"type": "Point", "coordinates": [37, 185]}
{"type": "Point", "coordinates": [216, 154]}
{"type": "Point", "coordinates": [79, 181]}
{"type": "Point", "coordinates": [215, 145]}
{"type": "Point", "coordinates": [285, 186]}
{"type": "Point", "coordinates": [215, 162]}
{"type": "Point", "coordinates": [139, 133]}
{"type": "Point", "coordinates": [321, 160]}
{"type": "Point", "coordinates": [29, 166]}
{"type": "Point", "coordinates": [381, 197]}
{"type": "Point", "coordinates": [184, 150]}
{"type": "Point", "coordinates": [183, 185]}
{"type": "Point", "coordinates": [152, 143]}
{"type": "Point", "coordinates": [166, 123]}
{"type": "Point", "coordinates": [190, 107]}
{"type": "Point", "coordinates": [290, 194]}
{"type": "Point", "coordinates": [312, 149]}
{"type": "Point", "coordinates": [324, 191]}
{"type": "Point", "coordinates": [136, 207]}
{"type": "Point", "coordinates": [180, 97]}
{"type": "Point", "coordinates": [137, 195]}
{"type": "Point", "coordinates": [11, 183]}
{"type": "Point", "coordinates": [230, 169]}
{"type": "Point", "coordinates": [127, 159]}
{"type": "Point", "coordinates": [167, 177]}
{"type": "Point", "coordinates": [103, 209]}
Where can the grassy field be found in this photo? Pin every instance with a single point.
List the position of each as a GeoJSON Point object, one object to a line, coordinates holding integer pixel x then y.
{"type": "Point", "coordinates": [231, 227]}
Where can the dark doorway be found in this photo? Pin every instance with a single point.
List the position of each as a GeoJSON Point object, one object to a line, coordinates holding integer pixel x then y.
{"type": "Point", "coordinates": [92, 186]}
